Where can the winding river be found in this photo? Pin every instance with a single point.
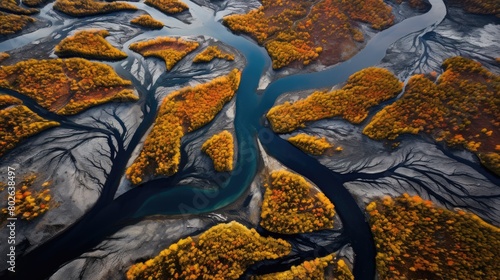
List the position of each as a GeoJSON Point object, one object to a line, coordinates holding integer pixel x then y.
{"type": "Point", "coordinates": [164, 197]}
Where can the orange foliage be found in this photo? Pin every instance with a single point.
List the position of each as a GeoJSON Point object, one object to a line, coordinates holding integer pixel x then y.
{"type": "Point", "coordinates": [363, 90]}
{"type": "Point", "coordinates": [416, 240]}
{"type": "Point", "coordinates": [12, 6]}
{"type": "Point", "coordinates": [222, 252]}
{"type": "Point", "coordinates": [89, 44]}
{"type": "Point", "coordinates": [10, 24]}
{"type": "Point", "coordinates": [313, 145]}
{"type": "Point", "coordinates": [291, 205]}
{"type": "Point", "coordinates": [147, 21]}
{"type": "Point", "coordinates": [182, 111]}
{"type": "Point", "coordinates": [313, 270]}
{"type": "Point", "coordinates": [67, 86]}
{"type": "Point", "coordinates": [29, 204]}
{"type": "Point", "coordinates": [303, 31]}
{"type": "Point", "coordinates": [172, 50]}
{"type": "Point", "coordinates": [17, 123]}
{"type": "Point", "coordinates": [168, 6]}
{"type": "Point", "coordinates": [81, 8]}
{"type": "Point", "coordinates": [212, 52]}
{"type": "Point", "coordinates": [220, 148]}
{"type": "Point", "coordinates": [462, 109]}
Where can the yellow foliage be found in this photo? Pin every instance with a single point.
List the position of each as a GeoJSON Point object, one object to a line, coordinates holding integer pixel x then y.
{"type": "Point", "coordinates": [296, 31]}
{"type": "Point", "coordinates": [30, 205]}
{"type": "Point", "coordinates": [17, 123]}
{"type": "Point", "coordinates": [66, 86]}
{"type": "Point", "coordinates": [89, 44]}
{"type": "Point", "coordinates": [313, 270]}
{"type": "Point", "coordinates": [81, 8]}
{"type": "Point", "coordinates": [222, 252]}
{"type": "Point", "coordinates": [414, 238]}
{"type": "Point", "coordinates": [182, 111]}
{"type": "Point", "coordinates": [172, 50]}
{"type": "Point", "coordinates": [10, 24]}
{"type": "Point", "coordinates": [212, 52]}
{"type": "Point", "coordinates": [168, 6]}
{"type": "Point", "coordinates": [292, 206]}
{"type": "Point", "coordinates": [12, 6]}
{"type": "Point", "coordinates": [313, 145]}
{"type": "Point", "coordinates": [363, 90]}
{"type": "Point", "coordinates": [220, 148]}
{"type": "Point", "coordinates": [147, 21]}
{"type": "Point", "coordinates": [460, 109]}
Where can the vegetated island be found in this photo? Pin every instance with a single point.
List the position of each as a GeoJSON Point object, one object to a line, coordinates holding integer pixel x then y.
{"type": "Point", "coordinates": [417, 240]}
{"type": "Point", "coordinates": [181, 112]}
{"type": "Point", "coordinates": [168, 6]}
{"type": "Point", "coordinates": [220, 148]}
{"type": "Point", "coordinates": [29, 204]}
{"type": "Point", "coordinates": [89, 44]}
{"type": "Point", "coordinates": [291, 205]}
{"type": "Point", "coordinates": [461, 109]}
{"type": "Point", "coordinates": [11, 24]}
{"type": "Point", "coordinates": [12, 6]}
{"type": "Point", "coordinates": [363, 90]}
{"type": "Point", "coordinates": [18, 122]}
{"type": "Point", "coordinates": [316, 269]}
{"type": "Point", "coordinates": [82, 8]}
{"type": "Point", "coordinates": [310, 144]}
{"type": "Point", "coordinates": [171, 50]}
{"type": "Point", "coordinates": [66, 86]}
{"type": "Point", "coordinates": [222, 252]}
{"type": "Point", "coordinates": [211, 53]}
{"type": "Point", "coordinates": [147, 21]}
{"type": "Point", "coordinates": [296, 32]}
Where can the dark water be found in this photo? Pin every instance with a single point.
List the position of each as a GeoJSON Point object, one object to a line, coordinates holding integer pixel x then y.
{"type": "Point", "coordinates": [164, 197]}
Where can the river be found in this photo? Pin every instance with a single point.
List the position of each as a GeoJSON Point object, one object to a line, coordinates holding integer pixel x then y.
{"type": "Point", "coordinates": [164, 197]}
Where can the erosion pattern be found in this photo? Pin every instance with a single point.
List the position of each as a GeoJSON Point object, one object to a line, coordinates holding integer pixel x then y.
{"type": "Point", "coordinates": [162, 160]}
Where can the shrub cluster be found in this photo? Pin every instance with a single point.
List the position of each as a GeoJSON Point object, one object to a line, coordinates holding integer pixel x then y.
{"type": "Point", "coordinates": [222, 252]}
{"type": "Point", "coordinates": [182, 111]}
{"type": "Point", "coordinates": [316, 269]}
{"type": "Point", "coordinates": [291, 205]}
{"type": "Point", "coordinates": [29, 204]}
{"type": "Point", "coordinates": [17, 123]}
{"type": "Point", "coordinates": [416, 240]}
{"type": "Point", "coordinates": [296, 32]}
{"type": "Point", "coordinates": [220, 148]}
{"type": "Point", "coordinates": [363, 90]}
{"type": "Point", "coordinates": [12, 6]}
{"type": "Point", "coordinates": [210, 53]}
{"type": "Point", "coordinates": [82, 8]}
{"type": "Point", "coordinates": [313, 145]}
{"type": "Point", "coordinates": [66, 86]}
{"type": "Point", "coordinates": [10, 24]}
{"type": "Point", "coordinates": [172, 50]}
{"type": "Point", "coordinates": [462, 109]}
{"type": "Point", "coordinates": [147, 21]}
{"type": "Point", "coordinates": [168, 6]}
{"type": "Point", "coordinates": [89, 44]}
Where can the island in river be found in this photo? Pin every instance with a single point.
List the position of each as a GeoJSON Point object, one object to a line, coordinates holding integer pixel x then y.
{"type": "Point", "coordinates": [256, 139]}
